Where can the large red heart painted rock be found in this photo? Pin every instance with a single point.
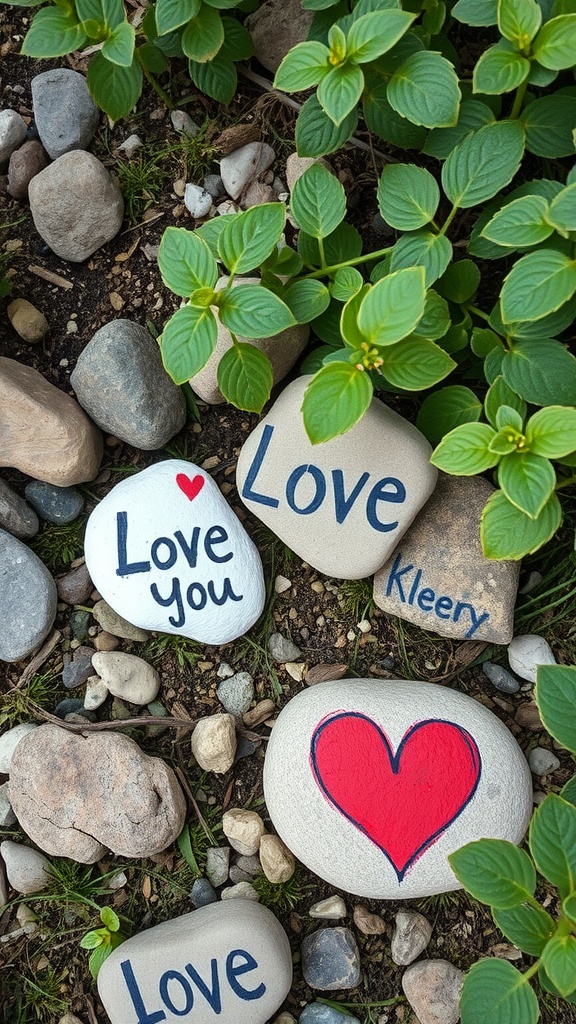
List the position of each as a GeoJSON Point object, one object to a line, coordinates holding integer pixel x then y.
{"type": "Point", "coordinates": [402, 801]}
{"type": "Point", "coordinates": [374, 783]}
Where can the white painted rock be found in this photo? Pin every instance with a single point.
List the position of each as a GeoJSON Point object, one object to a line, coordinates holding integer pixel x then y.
{"type": "Point", "coordinates": [342, 506]}
{"type": "Point", "coordinates": [167, 553]}
{"type": "Point", "coordinates": [527, 652]}
{"type": "Point", "coordinates": [228, 961]}
{"type": "Point", "coordinates": [243, 165]}
{"type": "Point", "coordinates": [9, 740]}
{"type": "Point", "coordinates": [127, 676]}
{"type": "Point", "coordinates": [438, 577]}
{"type": "Point", "coordinates": [373, 783]}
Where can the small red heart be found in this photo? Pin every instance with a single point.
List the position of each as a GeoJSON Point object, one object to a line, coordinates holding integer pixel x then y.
{"type": "Point", "coordinates": [404, 800]}
{"type": "Point", "coordinates": [191, 487]}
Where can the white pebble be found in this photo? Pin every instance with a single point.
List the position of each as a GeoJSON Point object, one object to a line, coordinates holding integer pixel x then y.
{"type": "Point", "coordinates": [331, 909]}
{"type": "Point", "coordinates": [527, 652]}
{"type": "Point", "coordinates": [197, 200]}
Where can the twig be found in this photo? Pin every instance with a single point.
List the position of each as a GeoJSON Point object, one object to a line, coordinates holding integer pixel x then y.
{"type": "Point", "coordinates": [47, 275]}
{"type": "Point", "coordinates": [143, 223]}
{"type": "Point", "coordinates": [143, 720]}
{"type": "Point", "coordinates": [38, 660]}
{"type": "Point", "coordinates": [185, 786]}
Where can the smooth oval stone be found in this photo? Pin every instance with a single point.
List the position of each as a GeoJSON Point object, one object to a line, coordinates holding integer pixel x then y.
{"type": "Point", "coordinates": [28, 599]}
{"type": "Point", "coordinates": [373, 783]}
{"type": "Point", "coordinates": [343, 505]}
{"type": "Point", "coordinates": [228, 961]}
{"type": "Point", "coordinates": [167, 553]}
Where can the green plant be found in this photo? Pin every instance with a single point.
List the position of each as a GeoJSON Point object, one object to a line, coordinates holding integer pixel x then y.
{"type": "Point", "coordinates": [58, 545]}
{"type": "Point", "coordinates": [36, 999]}
{"type": "Point", "coordinates": [499, 874]}
{"type": "Point", "coordinates": [186, 651]}
{"type": "Point", "coordinates": [102, 941]}
{"type": "Point", "coordinates": [142, 180]}
{"type": "Point", "coordinates": [20, 703]}
{"type": "Point", "coordinates": [283, 896]}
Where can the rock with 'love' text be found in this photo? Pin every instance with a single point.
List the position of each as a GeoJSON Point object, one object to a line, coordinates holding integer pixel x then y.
{"type": "Point", "coordinates": [166, 552]}
{"type": "Point", "coordinates": [227, 962]}
{"type": "Point", "coordinates": [373, 783]}
{"type": "Point", "coordinates": [343, 505]}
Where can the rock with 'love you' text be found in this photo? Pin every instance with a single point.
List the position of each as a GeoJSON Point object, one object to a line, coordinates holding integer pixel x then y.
{"type": "Point", "coordinates": [373, 783]}
{"type": "Point", "coordinates": [342, 505]}
{"type": "Point", "coordinates": [166, 552]}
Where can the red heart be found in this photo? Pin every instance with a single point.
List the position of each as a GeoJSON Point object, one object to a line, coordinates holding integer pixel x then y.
{"type": "Point", "coordinates": [404, 801]}
{"type": "Point", "coordinates": [191, 487]}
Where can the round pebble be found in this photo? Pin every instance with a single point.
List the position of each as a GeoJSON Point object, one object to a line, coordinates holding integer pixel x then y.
{"type": "Point", "coordinates": [542, 761]}
{"type": "Point", "coordinates": [236, 693]}
{"type": "Point", "coordinates": [500, 678]}
{"type": "Point", "coordinates": [331, 960]}
{"type": "Point", "coordinates": [197, 200]}
{"type": "Point", "coordinates": [527, 652]}
{"type": "Point", "coordinates": [331, 909]}
{"type": "Point", "coordinates": [54, 504]}
{"type": "Point", "coordinates": [202, 893]}
{"type": "Point", "coordinates": [318, 1013]}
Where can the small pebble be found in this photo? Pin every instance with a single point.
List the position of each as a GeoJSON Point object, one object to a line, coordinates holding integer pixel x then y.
{"type": "Point", "coordinates": [282, 649]}
{"type": "Point", "coordinates": [214, 744]}
{"type": "Point", "coordinates": [533, 580]}
{"type": "Point", "coordinates": [197, 201]}
{"type": "Point", "coordinates": [500, 678]}
{"type": "Point", "coordinates": [27, 870]}
{"type": "Point", "coordinates": [75, 587]}
{"type": "Point", "coordinates": [412, 933]}
{"type": "Point", "coordinates": [80, 624]}
{"type": "Point", "coordinates": [54, 504]}
{"type": "Point", "coordinates": [331, 909]}
{"type": "Point", "coordinates": [78, 671]}
{"type": "Point", "coordinates": [542, 761]}
{"type": "Point", "coordinates": [27, 321]}
{"type": "Point", "coordinates": [113, 623]}
{"type": "Point", "coordinates": [318, 1013]}
{"type": "Point", "coordinates": [277, 861]}
{"type": "Point", "coordinates": [224, 670]}
{"type": "Point", "coordinates": [527, 652]}
{"type": "Point", "coordinates": [7, 816]}
{"type": "Point", "coordinates": [127, 676]}
{"type": "Point", "coordinates": [106, 642]}
{"type": "Point", "coordinates": [236, 693]}
{"type": "Point", "coordinates": [330, 959]}
{"type": "Point", "coordinates": [217, 864]}
{"type": "Point", "coordinates": [214, 185]}
{"type": "Point", "coordinates": [73, 706]}
{"type": "Point", "coordinates": [250, 865]}
{"type": "Point", "coordinates": [202, 893]}
{"type": "Point", "coordinates": [368, 923]}
{"type": "Point", "coordinates": [9, 740]}
{"type": "Point", "coordinates": [240, 891]}
{"type": "Point", "coordinates": [432, 987]}
{"type": "Point", "coordinates": [95, 694]}
{"type": "Point", "coordinates": [183, 123]}
{"type": "Point", "coordinates": [130, 145]}
{"type": "Point", "coordinates": [282, 584]}
{"type": "Point", "coordinates": [243, 830]}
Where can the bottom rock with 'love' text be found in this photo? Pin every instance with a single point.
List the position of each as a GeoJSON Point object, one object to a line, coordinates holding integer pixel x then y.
{"type": "Point", "coordinates": [373, 783]}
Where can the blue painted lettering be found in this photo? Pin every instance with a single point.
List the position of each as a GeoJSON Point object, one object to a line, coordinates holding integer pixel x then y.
{"type": "Point", "coordinates": [379, 493]}
{"type": "Point", "coordinates": [293, 481]}
{"type": "Point", "coordinates": [172, 553]}
{"type": "Point", "coordinates": [166, 998]}
{"type": "Point", "coordinates": [227, 592]}
{"type": "Point", "coordinates": [476, 620]}
{"type": "Point", "coordinates": [138, 1003]}
{"type": "Point", "coordinates": [232, 972]}
{"type": "Point", "coordinates": [126, 568]}
{"type": "Point", "coordinates": [190, 550]}
{"type": "Point", "coordinates": [216, 535]}
{"type": "Point", "coordinates": [196, 605]}
{"type": "Point", "coordinates": [414, 586]}
{"type": "Point", "coordinates": [175, 597]}
{"type": "Point", "coordinates": [247, 490]}
{"type": "Point", "coordinates": [342, 504]}
{"type": "Point", "coordinates": [444, 604]}
{"type": "Point", "coordinates": [211, 995]}
{"type": "Point", "coordinates": [394, 578]}
{"type": "Point", "coordinates": [425, 598]}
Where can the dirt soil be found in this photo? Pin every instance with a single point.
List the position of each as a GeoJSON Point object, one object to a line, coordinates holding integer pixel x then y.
{"type": "Point", "coordinates": [45, 974]}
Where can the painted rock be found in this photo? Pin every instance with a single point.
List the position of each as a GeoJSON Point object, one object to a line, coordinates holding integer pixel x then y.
{"type": "Point", "coordinates": [438, 577]}
{"type": "Point", "coordinates": [342, 506]}
{"type": "Point", "coordinates": [228, 961]}
{"type": "Point", "coordinates": [167, 553]}
{"type": "Point", "coordinates": [373, 783]}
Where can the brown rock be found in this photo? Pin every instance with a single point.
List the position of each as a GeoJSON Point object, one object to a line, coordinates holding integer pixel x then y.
{"type": "Point", "coordinates": [43, 432]}
{"type": "Point", "coordinates": [276, 27]}
{"type": "Point", "coordinates": [24, 164]}
{"type": "Point", "coordinates": [432, 987]}
{"type": "Point", "coordinates": [76, 796]}
{"type": "Point", "coordinates": [528, 717]}
{"type": "Point", "coordinates": [277, 861]}
{"type": "Point", "coordinates": [256, 194]}
{"type": "Point", "coordinates": [367, 923]}
{"type": "Point", "coordinates": [263, 710]}
{"type": "Point", "coordinates": [76, 586]}
{"type": "Point", "coordinates": [235, 136]}
{"type": "Point", "coordinates": [27, 321]}
{"type": "Point", "coordinates": [106, 642]}
{"type": "Point", "coordinates": [324, 673]}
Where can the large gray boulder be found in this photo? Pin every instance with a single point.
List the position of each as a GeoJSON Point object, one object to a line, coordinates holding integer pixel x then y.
{"type": "Point", "coordinates": [65, 113]}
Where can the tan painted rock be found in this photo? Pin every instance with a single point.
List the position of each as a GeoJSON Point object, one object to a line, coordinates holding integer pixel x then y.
{"type": "Point", "coordinates": [276, 27]}
{"type": "Point", "coordinates": [438, 577]}
{"type": "Point", "coordinates": [342, 506]}
{"type": "Point", "coordinates": [27, 321]}
{"type": "Point", "coordinates": [77, 796]}
{"type": "Point", "coordinates": [282, 350]}
{"type": "Point", "coordinates": [43, 432]}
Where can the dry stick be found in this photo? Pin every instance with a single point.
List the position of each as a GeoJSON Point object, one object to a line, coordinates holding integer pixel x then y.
{"type": "Point", "coordinates": [268, 87]}
{"type": "Point", "coordinates": [143, 720]}
{"type": "Point", "coordinates": [47, 275]}
{"type": "Point", "coordinates": [192, 799]}
{"type": "Point", "coordinates": [38, 659]}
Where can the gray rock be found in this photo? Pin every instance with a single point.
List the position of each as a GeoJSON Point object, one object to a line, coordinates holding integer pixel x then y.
{"type": "Point", "coordinates": [7, 816]}
{"type": "Point", "coordinates": [25, 163]}
{"type": "Point", "coordinates": [120, 381]}
{"type": "Point", "coordinates": [27, 870]}
{"type": "Point", "coordinates": [533, 580]}
{"type": "Point", "coordinates": [527, 652]}
{"type": "Point", "coordinates": [276, 26]}
{"type": "Point", "coordinates": [96, 693]}
{"type": "Point", "coordinates": [238, 875]}
{"type": "Point", "coordinates": [542, 761]}
{"type": "Point", "coordinates": [15, 515]}
{"type": "Point", "coordinates": [214, 185]}
{"type": "Point", "coordinates": [282, 649]}
{"type": "Point", "coordinates": [113, 623]}
{"type": "Point", "coordinates": [432, 987]}
{"type": "Point", "coordinates": [236, 693]}
{"type": "Point", "coordinates": [330, 959]}
{"type": "Point", "coordinates": [202, 893]}
{"type": "Point", "coordinates": [250, 865]}
{"type": "Point", "coordinates": [80, 624]}
{"type": "Point", "coordinates": [27, 599]}
{"type": "Point", "coordinates": [317, 1013]}
{"type": "Point", "coordinates": [245, 747]}
{"type": "Point", "coordinates": [12, 132]}
{"type": "Point", "coordinates": [412, 933]}
{"type": "Point", "coordinates": [240, 891]}
{"type": "Point", "coordinates": [500, 678]}
{"type": "Point", "coordinates": [3, 885]}
{"type": "Point", "coordinates": [54, 504]}
{"type": "Point", "coordinates": [77, 671]}
{"type": "Point", "coordinates": [73, 706]}
{"type": "Point", "coordinates": [217, 864]}
{"type": "Point", "coordinates": [76, 205]}
{"type": "Point", "coordinates": [197, 200]}
{"type": "Point", "coordinates": [183, 123]}
{"type": "Point", "coordinates": [76, 586]}
{"type": "Point", "coordinates": [242, 166]}
{"type": "Point", "coordinates": [65, 113]}
{"type": "Point", "coordinates": [130, 145]}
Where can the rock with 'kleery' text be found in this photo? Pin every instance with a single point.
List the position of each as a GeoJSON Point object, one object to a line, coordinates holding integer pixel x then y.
{"type": "Point", "coordinates": [343, 505]}
{"type": "Point", "coordinates": [227, 961]}
{"type": "Point", "coordinates": [166, 552]}
{"type": "Point", "coordinates": [438, 577]}
{"type": "Point", "coordinates": [372, 783]}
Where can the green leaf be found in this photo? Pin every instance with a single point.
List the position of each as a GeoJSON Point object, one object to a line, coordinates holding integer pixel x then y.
{"type": "Point", "coordinates": [254, 312]}
{"type": "Point", "coordinates": [507, 416]}
{"type": "Point", "coordinates": [483, 163]}
{"type": "Point", "coordinates": [119, 46]}
{"type": "Point", "coordinates": [317, 135]}
{"type": "Point", "coordinates": [347, 282]}
{"type": "Point", "coordinates": [408, 196]}
{"type": "Point", "coordinates": [569, 907]}
{"type": "Point", "coordinates": [53, 33]}
{"type": "Point", "coordinates": [504, 443]}
{"type": "Point", "coordinates": [340, 90]}
{"type": "Point", "coordinates": [562, 212]}
{"type": "Point", "coordinates": [547, 986]}
{"type": "Point", "coordinates": [425, 90]}
{"type": "Point", "coordinates": [555, 44]}
{"type": "Point", "coordinates": [307, 300]}
{"type": "Point", "coordinates": [318, 201]}
{"type": "Point", "coordinates": [422, 249]}
{"type": "Point", "coordinates": [349, 328]}
{"type": "Point", "coordinates": [108, 13]}
{"type": "Point", "coordinates": [556, 696]}
{"type": "Point", "coordinates": [237, 43]}
{"type": "Point", "coordinates": [303, 67]}
{"type": "Point", "coordinates": [374, 34]}
{"type": "Point", "coordinates": [500, 393]}
{"type": "Point", "coordinates": [495, 871]}
{"type": "Point", "coordinates": [392, 308]}
{"type": "Point", "coordinates": [527, 481]}
{"type": "Point", "coordinates": [94, 938]}
{"type": "Point", "coordinates": [500, 69]}
{"type": "Point", "coordinates": [528, 927]}
{"type": "Point", "coordinates": [559, 961]}
{"type": "Point", "coordinates": [171, 14]}
{"type": "Point", "coordinates": [110, 919]}
{"type": "Point", "coordinates": [551, 432]}
{"type": "Point", "coordinates": [473, 114]}
{"type": "Point", "coordinates": [435, 320]}
{"type": "Point", "coordinates": [218, 78]}
{"type": "Point", "coordinates": [476, 12]}
{"type": "Point", "coordinates": [542, 372]}
{"type": "Point", "coordinates": [538, 284]}
{"type": "Point", "coordinates": [446, 409]}
{"type": "Point", "coordinates": [245, 377]}
{"type": "Point", "coordinates": [519, 21]}
{"type": "Point", "coordinates": [416, 363]}
{"type": "Point", "coordinates": [552, 841]}
{"type": "Point", "coordinates": [187, 342]}
{"type": "Point", "coordinates": [484, 341]}
{"type": "Point", "coordinates": [459, 283]}
{"type": "Point", "coordinates": [520, 223]}
{"type": "Point", "coordinates": [508, 533]}
{"type": "Point", "coordinates": [248, 239]}
{"type": "Point", "coordinates": [203, 35]}
{"type": "Point", "coordinates": [211, 230]}
{"type": "Point", "coordinates": [185, 847]}
{"type": "Point", "coordinates": [99, 955]}
{"type": "Point", "coordinates": [383, 120]}
{"type": "Point", "coordinates": [495, 991]}
{"type": "Point", "coordinates": [335, 399]}
{"type": "Point", "coordinates": [549, 123]}
{"type": "Point", "coordinates": [185, 262]}
{"type": "Point", "coordinates": [151, 58]}
{"type": "Point", "coordinates": [115, 89]}
{"type": "Point", "coordinates": [568, 792]}
{"type": "Point", "coordinates": [465, 451]}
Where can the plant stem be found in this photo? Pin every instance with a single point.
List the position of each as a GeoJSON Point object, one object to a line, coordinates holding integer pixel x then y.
{"type": "Point", "coordinates": [347, 263]}
{"type": "Point", "coordinates": [322, 253]}
{"type": "Point", "coordinates": [449, 219]}
{"type": "Point", "coordinates": [566, 483]}
{"type": "Point", "coordinates": [477, 312]}
{"type": "Point", "coordinates": [531, 971]}
{"type": "Point", "coordinates": [158, 88]}
{"type": "Point", "coordinates": [520, 92]}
